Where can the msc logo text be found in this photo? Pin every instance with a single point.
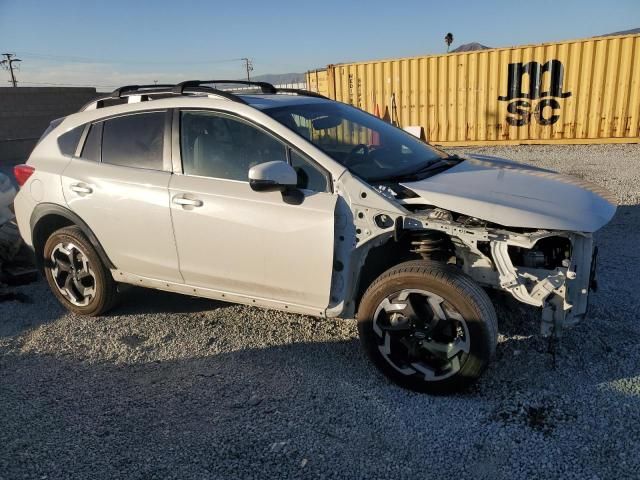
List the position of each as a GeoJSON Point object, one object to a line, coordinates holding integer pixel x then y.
{"type": "Point", "coordinates": [534, 102]}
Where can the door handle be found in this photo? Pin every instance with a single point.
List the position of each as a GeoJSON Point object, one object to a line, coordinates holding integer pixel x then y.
{"type": "Point", "coordinates": [81, 188]}
{"type": "Point", "coordinates": [187, 202]}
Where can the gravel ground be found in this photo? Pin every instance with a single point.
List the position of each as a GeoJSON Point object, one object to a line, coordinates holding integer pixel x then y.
{"type": "Point", "coordinates": [175, 387]}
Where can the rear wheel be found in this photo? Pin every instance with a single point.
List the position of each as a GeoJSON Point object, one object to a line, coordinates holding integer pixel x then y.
{"type": "Point", "coordinates": [428, 327]}
{"type": "Point", "coordinates": [76, 275]}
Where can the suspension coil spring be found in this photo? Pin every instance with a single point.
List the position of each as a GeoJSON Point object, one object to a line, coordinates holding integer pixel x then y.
{"type": "Point", "coordinates": [430, 245]}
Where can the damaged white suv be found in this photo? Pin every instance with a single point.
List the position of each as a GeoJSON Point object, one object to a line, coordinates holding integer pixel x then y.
{"type": "Point", "coordinates": [285, 199]}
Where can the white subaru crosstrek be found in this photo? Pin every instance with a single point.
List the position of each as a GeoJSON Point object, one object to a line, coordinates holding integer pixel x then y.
{"type": "Point", "coordinates": [285, 199]}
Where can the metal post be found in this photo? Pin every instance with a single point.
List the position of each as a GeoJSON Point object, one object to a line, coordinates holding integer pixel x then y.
{"type": "Point", "coordinates": [249, 66]}
{"type": "Point", "coordinates": [8, 64]}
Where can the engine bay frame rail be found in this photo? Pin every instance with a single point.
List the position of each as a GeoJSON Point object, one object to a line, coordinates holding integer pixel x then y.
{"type": "Point", "coordinates": [562, 293]}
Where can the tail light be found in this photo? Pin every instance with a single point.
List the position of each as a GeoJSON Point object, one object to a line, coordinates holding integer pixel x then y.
{"type": "Point", "coordinates": [22, 173]}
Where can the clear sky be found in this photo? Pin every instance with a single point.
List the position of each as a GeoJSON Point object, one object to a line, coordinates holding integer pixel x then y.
{"type": "Point", "coordinates": [118, 42]}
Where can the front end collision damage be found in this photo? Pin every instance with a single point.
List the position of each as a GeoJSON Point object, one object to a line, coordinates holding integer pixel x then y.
{"type": "Point", "coordinates": [561, 292]}
{"type": "Point", "coordinates": [483, 252]}
{"type": "Point", "coordinates": [544, 258]}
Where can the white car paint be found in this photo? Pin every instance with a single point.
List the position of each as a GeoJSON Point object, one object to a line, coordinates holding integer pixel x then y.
{"type": "Point", "coordinates": [240, 241]}
{"type": "Point", "coordinates": [517, 195]}
{"type": "Point", "coordinates": [128, 210]}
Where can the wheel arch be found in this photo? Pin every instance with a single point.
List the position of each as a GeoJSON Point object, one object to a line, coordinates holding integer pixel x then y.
{"type": "Point", "coordinates": [408, 246]}
{"type": "Point", "coordinates": [376, 261]}
{"type": "Point", "coordinates": [49, 217]}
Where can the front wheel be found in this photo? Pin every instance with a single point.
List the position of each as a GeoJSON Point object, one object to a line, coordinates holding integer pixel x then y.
{"type": "Point", "coordinates": [428, 327]}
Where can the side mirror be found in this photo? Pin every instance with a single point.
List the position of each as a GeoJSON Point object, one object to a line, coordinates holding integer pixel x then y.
{"type": "Point", "coordinates": [272, 177]}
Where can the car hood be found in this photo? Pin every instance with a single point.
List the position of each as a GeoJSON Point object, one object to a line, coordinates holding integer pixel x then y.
{"type": "Point", "coordinates": [516, 195]}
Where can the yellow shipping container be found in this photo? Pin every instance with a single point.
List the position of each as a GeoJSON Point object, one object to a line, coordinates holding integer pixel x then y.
{"type": "Point", "coordinates": [582, 91]}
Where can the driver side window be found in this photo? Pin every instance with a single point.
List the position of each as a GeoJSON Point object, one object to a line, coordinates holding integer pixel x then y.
{"type": "Point", "coordinates": [220, 146]}
{"type": "Point", "coordinates": [310, 177]}
{"type": "Point", "coordinates": [217, 145]}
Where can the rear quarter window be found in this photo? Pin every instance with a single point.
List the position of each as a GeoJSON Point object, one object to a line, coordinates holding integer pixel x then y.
{"type": "Point", "coordinates": [68, 142]}
{"type": "Point", "coordinates": [52, 125]}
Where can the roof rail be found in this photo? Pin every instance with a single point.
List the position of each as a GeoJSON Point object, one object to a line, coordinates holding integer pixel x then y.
{"type": "Point", "coordinates": [264, 86]}
{"type": "Point", "coordinates": [211, 91]}
{"type": "Point", "coordinates": [298, 91]}
{"type": "Point", "coordinates": [150, 91]}
{"type": "Point", "coordinates": [119, 91]}
{"type": "Point", "coordinates": [192, 87]}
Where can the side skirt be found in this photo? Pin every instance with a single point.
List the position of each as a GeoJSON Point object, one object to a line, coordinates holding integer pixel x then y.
{"type": "Point", "coordinates": [132, 279]}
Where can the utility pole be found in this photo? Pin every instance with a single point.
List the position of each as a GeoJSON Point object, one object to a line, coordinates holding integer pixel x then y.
{"type": "Point", "coordinates": [8, 65]}
{"type": "Point", "coordinates": [249, 66]}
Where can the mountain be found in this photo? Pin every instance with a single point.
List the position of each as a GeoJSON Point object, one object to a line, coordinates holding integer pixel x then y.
{"type": "Point", "coordinates": [470, 47]}
{"type": "Point", "coordinates": [623, 32]}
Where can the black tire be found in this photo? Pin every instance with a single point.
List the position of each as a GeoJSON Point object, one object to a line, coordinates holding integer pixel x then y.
{"type": "Point", "coordinates": [459, 296]}
{"type": "Point", "coordinates": [104, 287]}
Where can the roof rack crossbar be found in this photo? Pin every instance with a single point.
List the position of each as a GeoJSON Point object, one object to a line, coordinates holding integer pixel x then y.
{"type": "Point", "coordinates": [264, 86]}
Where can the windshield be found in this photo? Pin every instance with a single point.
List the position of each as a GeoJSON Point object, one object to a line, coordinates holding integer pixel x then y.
{"type": "Point", "coordinates": [367, 146]}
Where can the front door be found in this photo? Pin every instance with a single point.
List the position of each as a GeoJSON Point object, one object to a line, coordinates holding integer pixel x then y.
{"type": "Point", "coordinates": [232, 239]}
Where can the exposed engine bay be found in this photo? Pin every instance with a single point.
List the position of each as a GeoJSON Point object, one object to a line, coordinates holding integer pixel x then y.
{"type": "Point", "coordinates": [544, 268]}
{"type": "Point", "coordinates": [512, 227]}
{"type": "Point", "coordinates": [539, 267]}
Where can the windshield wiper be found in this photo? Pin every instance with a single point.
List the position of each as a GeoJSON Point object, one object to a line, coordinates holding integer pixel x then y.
{"type": "Point", "coordinates": [430, 168]}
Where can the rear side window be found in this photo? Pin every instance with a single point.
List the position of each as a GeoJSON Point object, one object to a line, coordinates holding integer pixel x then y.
{"type": "Point", "coordinates": [134, 140]}
{"type": "Point", "coordinates": [68, 142]}
{"type": "Point", "coordinates": [91, 149]}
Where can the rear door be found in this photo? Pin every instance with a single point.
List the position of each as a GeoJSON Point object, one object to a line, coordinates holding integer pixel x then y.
{"type": "Point", "coordinates": [118, 184]}
{"type": "Point", "coordinates": [233, 239]}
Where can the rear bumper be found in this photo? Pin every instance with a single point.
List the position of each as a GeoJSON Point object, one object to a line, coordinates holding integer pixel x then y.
{"type": "Point", "coordinates": [23, 206]}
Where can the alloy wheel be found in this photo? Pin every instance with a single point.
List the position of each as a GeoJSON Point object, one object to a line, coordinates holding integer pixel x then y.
{"type": "Point", "coordinates": [72, 274]}
{"type": "Point", "coordinates": [421, 333]}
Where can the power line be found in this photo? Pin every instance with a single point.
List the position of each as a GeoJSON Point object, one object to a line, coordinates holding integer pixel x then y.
{"type": "Point", "coordinates": [76, 59]}
{"type": "Point", "coordinates": [8, 65]}
{"type": "Point", "coordinates": [68, 84]}
{"type": "Point", "coordinates": [248, 64]}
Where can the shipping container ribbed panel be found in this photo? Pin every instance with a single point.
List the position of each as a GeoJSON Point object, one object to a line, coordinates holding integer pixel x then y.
{"type": "Point", "coordinates": [582, 91]}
